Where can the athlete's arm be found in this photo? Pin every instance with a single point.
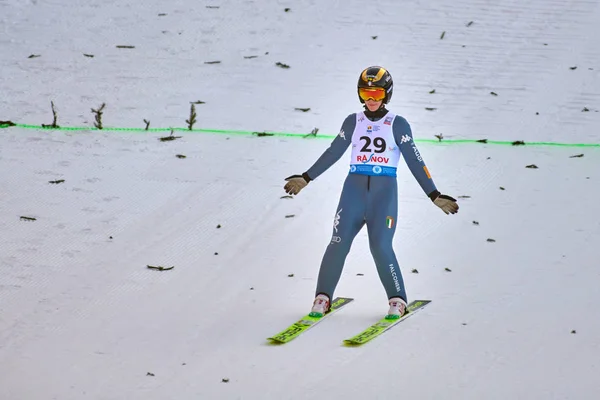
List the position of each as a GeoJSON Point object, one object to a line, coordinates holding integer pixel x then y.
{"type": "Point", "coordinates": [404, 140]}
{"type": "Point", "coordinates": [296, 183]}
{"type": "Point", "coordinates": [336, 150]}
{"type": "Point", "coordinates": [410, 153]}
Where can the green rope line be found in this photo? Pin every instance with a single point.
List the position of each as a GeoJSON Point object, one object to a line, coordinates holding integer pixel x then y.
{"type": "Point", "coordinates": [285, 134]}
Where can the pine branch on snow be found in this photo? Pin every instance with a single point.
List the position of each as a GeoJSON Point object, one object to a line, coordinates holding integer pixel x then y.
{"type": "Point", "coordinates": [54, 118]}
{"type": "Point", "coordinates": [159, 267]}
{"type": "Point", "coordinates": [170, 137]}
{"type": "Point", "coordinates": [312, 133]}
{"type": "Point", "coordinates": [98, 112]}
{"type": "Point", "coordinates": [192, 120]}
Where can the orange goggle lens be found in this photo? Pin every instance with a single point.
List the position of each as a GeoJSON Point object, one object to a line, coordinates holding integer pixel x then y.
{"type": "Point", "coordinates": [376, 94]}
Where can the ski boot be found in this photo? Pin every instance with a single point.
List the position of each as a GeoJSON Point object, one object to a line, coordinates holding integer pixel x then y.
{"type": "Point", "coordinates": [397, 308]}
{"type": "Point", "coordinates": [320, 306]}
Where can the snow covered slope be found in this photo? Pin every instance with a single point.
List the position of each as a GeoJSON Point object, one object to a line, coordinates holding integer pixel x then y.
{"type": "Point", "coordinates": [81, 315]}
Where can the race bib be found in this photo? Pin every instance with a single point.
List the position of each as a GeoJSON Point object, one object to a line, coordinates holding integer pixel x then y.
{"type": "Point", "coordinates": [374, 149]}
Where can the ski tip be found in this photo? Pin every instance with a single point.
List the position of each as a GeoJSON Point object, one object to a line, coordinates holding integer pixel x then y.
{"type": "Point", "coordinates": [420, 302]}
{"type": "Point", "coordinates": [341, 301]}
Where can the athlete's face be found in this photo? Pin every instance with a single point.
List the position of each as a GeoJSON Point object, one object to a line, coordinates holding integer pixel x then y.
{"type": "Point", "coordinates": [373, 105]}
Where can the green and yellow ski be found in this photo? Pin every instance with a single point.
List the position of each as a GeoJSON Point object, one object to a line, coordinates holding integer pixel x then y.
{"type": "Point", "coordinates": [384, 324]}
{"type": "Point", "coordinates": [307, 322]}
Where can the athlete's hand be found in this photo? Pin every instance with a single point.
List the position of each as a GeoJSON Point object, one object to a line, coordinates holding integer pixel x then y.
{"type": "Point", "coordinates": [296, 183]}
{"type": "Point", "coordinates": [446, 203]}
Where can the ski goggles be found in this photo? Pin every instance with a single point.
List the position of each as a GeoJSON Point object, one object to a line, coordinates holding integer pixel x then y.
{"type": "Point", "coordinates": [375, 93]}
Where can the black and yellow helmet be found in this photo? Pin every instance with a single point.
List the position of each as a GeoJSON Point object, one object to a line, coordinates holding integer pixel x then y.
{"type": "Point", "coordinates": [376, 76]}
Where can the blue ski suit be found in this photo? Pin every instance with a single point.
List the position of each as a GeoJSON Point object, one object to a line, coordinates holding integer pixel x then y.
{"type": "Point", "coordinates": [369, 196]}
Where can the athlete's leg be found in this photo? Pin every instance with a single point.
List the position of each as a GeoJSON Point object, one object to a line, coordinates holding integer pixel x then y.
{"type": "Point", "coordinates": [348, 221]}
{"type": "Point", "coordinates": [382, 212]}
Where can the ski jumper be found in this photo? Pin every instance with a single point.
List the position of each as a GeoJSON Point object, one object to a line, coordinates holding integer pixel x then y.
{"type": "Point", "coordinates": [369, 195]}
